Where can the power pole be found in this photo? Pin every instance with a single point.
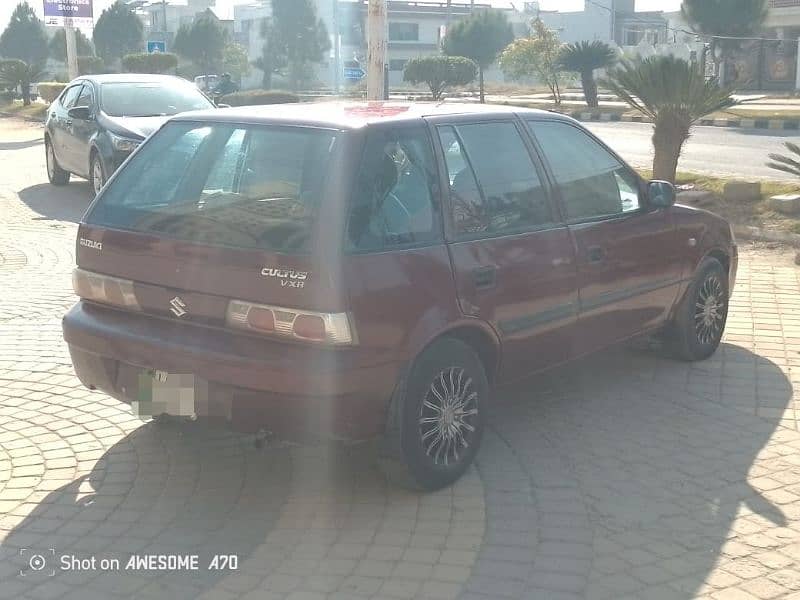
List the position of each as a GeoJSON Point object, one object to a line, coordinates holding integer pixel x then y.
{"type": "Point", "coordinates": [376, 49]}
{"type": "Point", "coordinates": [72, 50]}
{"type": "Point", "coordinates": [337, 59]}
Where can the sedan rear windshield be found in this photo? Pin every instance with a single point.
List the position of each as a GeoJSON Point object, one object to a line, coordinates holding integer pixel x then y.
{"type": "Point", "coordinates": [233, 185]}
{"type": "Point", "coordinates": [150, 99]}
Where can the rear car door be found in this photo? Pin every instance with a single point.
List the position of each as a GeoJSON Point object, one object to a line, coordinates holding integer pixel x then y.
{"type": "Point", "coordinates": [59, 123]}
{"type": "Point", "coordinates": [78, 132]}
{"type": "Point", "coordinates": [628, 267]}
{"type": "Point", "coordinates": [512, 259]}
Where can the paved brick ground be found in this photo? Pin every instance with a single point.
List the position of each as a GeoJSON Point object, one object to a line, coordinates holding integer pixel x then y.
{"type": "Point", "coordinates": [624, 476]}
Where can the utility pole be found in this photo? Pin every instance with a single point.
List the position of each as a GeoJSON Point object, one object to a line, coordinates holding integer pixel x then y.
{"type": "Point", "coordinates": [337, 59]}
{"type": "Point", "coordinates": [72, 50]}
{"type": "Point", "coordinates": [376, 49]}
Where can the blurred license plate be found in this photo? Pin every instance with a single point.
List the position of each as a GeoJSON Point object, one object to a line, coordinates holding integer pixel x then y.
{"type": "Point", "coordinates": [161, 392]}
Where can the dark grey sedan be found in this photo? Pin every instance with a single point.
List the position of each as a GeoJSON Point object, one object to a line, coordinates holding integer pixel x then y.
{"type": "Point", "coordinates": [98, 120]}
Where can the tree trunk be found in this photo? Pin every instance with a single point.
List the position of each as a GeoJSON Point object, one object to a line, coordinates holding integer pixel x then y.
{"type": "Point", "coordinates": [480, 83]}
{"type": "Point", "coordinates": [266, 78]}
{"type": "Point", "coordinates": [589, 89]}
{"type": "Point", "coordinates": [668, 140]}
{"type": "Point", "coordinates": [26, 93]}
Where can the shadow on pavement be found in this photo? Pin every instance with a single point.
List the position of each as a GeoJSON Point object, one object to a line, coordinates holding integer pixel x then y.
{"type": "Point", "coordinates": [21, 145]}
{"type": "Point", "coordinates": [660, 452]}
{"type": "Point", "coordinates": [59, 203]}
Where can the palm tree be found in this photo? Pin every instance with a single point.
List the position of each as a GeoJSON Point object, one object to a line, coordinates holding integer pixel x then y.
{"type": "Point", "coordinates": [675, 96]}
{"type": "Point", "coordinates": [787, 164]}
{"type": "Point", "coordinates": [584, 58]}
{"type": "Point", "coordinates": [725, 20]}
{"type": "Point", "coordinates": [15, 72]}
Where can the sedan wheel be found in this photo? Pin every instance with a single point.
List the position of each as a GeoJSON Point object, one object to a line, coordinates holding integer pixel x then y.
{"type": "Point", "coordinates": [98, 178]}
{"type": "Point", "coordinates": [55, 174]}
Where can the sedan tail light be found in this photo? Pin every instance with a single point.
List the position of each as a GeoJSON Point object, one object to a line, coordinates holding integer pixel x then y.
{"type": "Point", "coordinates": [325, 328]}
{"type": "Point", "coordinates": [105, 289]}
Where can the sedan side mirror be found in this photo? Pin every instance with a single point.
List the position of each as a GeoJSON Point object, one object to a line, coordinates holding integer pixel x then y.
{"type": "Point", "coordinates": [660, 194]}
{"type": "Point", "coordinates": [84, 113]}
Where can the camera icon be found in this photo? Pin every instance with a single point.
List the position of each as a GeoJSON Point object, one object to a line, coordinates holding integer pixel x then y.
{"type": "Point", "coordinates": [37, 561]}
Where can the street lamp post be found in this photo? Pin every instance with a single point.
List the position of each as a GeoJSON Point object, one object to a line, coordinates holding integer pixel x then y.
{"type": "Point", "coordinates": [376, 49]}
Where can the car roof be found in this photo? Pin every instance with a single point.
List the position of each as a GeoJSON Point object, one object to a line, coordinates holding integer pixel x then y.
{"type": "Point", "coordinates": [133, 78]}
{"type": "Point", "coordinates": [350, 114]}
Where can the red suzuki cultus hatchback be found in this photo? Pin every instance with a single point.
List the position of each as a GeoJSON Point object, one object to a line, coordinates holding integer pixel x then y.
{"type": "Point", "coordinates": [354, 270]}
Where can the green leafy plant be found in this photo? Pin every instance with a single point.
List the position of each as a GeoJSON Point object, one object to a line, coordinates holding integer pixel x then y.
{"type": "Point", "coordinates": [727, 19]}
{"type": "Point", "coordinates": [202, 42]}
{"type": "Point", "coordinates": [584, 58]}
{"type": "Point", "coordinates": [117, 32]}
{"type": "Point", "coordinates": [256, 97]}
{"type": "Point", "coordinates": [481, 37]}
{"type": "Point", "coordinates": [536, 56]}
{"type": "Point", "coordinates": [156, 62]}
{"type": "Point", "coordinates": [786, 163]}
{"type": "Point", "coordinates": [440, 72]}
{"type": "Point", "coordinates": [24, 38]}
{"type": "Point", "coordinates": [675, 96]}
{"type": "Point", "coordinates": [57, 47]}
{"type": "Point", "coordinates": [235, 61]}
{"type": "Point", "coordinates": [50, 90]}
{"type": "Point", "coordinates": [88, 65]}
{"type": "Point", "coordinates": [17, 73]}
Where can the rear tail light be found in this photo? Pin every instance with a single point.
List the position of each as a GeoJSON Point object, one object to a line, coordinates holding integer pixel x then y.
{"type": "Point", "coordinates": [105, 289]}
{"type": "Point", "coordinates": [326, 328]}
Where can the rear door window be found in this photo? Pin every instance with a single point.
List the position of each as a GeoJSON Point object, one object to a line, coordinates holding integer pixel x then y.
{"type": "Point", "coordinates": [395, 201]}
{"type": "Point", "coordinates": [233, 185]}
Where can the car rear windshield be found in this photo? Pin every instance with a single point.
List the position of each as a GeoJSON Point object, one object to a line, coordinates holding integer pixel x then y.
{"type": "Point", "coordinates": [233, 185]}
{"type": "Point", "coordinates": [150, 99]}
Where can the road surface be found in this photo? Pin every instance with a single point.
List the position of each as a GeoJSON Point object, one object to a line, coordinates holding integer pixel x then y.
{"type": "Point", "coordinates": [737, 152]}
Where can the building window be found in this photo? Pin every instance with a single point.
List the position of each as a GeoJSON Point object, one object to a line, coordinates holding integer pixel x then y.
{"type": "Point", "coordinates": [404, 32]}
{"type": "Point", "coordinates": [397, 64]}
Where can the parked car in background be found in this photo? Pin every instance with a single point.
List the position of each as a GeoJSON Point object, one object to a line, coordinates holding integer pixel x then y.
{"type": "Point", "coordinates": [98, 120]}
{"type": "Point", "coordinates": [354, 270]}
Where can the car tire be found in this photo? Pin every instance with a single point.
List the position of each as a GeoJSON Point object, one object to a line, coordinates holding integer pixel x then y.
{"type": "Point", "coordinates": [97, 174]}
{"type": "Point", "coordinates": [696, 332]}
{"type": "Point", "coordinates": [440, 414]}
{"type": "Point", "coordinates": [55, 174]}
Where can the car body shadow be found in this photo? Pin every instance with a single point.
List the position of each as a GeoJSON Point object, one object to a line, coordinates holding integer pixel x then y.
{"type": "Point", "coordinates": [58, 203]}
{"type": "Point", "coordinates": [661, 452]}
{"type": "Point", "coordinates": [21, 145]}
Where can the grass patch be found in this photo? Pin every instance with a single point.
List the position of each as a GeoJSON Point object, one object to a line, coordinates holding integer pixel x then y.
{"type": "Point", "coordinates": [36, 110]}
{"type": "Point", "coordinates": [755, 213]}
{"type": "Point", "coordinates": [749, 113]}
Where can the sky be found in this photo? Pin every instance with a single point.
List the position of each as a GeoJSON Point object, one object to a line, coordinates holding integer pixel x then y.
{"type": "Point", "coordinates": [7, 6]}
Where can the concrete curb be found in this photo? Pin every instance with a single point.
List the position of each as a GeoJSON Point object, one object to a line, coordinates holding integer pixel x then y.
{"type": "Point", "coordinates": [765, 235]}
{"type": "Point", "coordinates": [6, 115]}
{"type": "Point", "coordinates": [582, 115]}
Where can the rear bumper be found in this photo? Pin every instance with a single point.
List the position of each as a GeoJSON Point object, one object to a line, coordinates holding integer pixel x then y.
{"type": "Point", "coordinates": [291, 390]}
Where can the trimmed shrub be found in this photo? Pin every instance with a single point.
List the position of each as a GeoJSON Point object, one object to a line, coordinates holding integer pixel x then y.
{"type": "Point", "coordinates": [440, 72]}
{"type": "Point", "coordinates": [157, 62]}
{"type": "Point", "coordinates": [49, 90]}
{"type": "Point", "coordinates": [89, 65]}
{"type": "Point", "coordinates": [256, 97]}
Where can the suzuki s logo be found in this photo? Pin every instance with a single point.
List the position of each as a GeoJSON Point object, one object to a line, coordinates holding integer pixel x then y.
{"type": "Point", "coordinates": [91, 244]}
{"type": "Point", "coordinates": [287, 277]}
{"type": "Point", "coordinates": [177, 306]}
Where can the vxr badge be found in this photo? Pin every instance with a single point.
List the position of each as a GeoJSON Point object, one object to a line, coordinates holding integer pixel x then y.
{"type": "Point", "coordinates": [178, 306]}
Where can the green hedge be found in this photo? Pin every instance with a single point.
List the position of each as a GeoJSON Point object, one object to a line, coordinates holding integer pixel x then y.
{"type": "Point", "coordinates": [90, 65]}
{"type": "Point", "coordinates": [256, 97]}
{"type": "Point", "coordinates": [157, 62]}
{"type": "Point", "coordinates": [49, 90]}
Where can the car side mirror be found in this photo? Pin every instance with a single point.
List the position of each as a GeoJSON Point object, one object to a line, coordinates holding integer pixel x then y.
{"type": "Point", "coordinates": [84, 113]}
{"type": "Point", "coordinates": [660, 194]}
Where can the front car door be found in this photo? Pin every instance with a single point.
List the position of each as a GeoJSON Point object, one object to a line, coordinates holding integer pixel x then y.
{"type": "Point", "coordinates": [512, 259]}
{"type": "Point", "coordinates": [628, 263]}
{"type": "Point", "coordinates": [79, 132]}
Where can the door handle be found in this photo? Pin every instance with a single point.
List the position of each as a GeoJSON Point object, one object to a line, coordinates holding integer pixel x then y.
{"type": "Point", "coordinates": [484, 277]}
{"type": "Point", "coordinates": [595, 254]}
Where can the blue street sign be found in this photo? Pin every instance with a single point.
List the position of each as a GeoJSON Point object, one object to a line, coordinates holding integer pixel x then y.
{"type": "Point", "coordinates": [154, 47]}
{"type": "Point", "coordinates": [354, 74]}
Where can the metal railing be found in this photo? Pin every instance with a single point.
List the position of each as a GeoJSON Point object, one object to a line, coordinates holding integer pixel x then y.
{"type": "Point", "coordinates": [783, 3]}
